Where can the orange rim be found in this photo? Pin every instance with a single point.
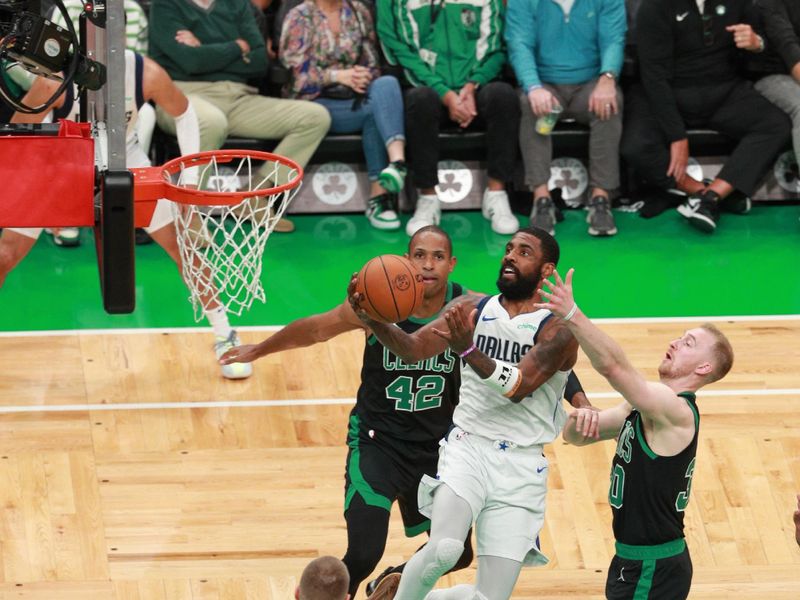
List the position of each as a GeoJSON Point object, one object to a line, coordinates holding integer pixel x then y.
{"type": "Point", "coordinates": [186, 195]}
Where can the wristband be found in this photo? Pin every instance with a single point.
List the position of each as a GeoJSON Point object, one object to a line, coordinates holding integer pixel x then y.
{"type": "Point", "coordinates": [571, 312]}
{"type": "Point", "coordinates": [506, 378]}
{"type": "Point", "coordinates": [467, 351]}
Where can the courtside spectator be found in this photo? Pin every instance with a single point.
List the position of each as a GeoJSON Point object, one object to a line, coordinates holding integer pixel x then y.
{"type": "Point", "coordinates": [569, 67]}
{"type": "Point", "coordinates": [452, 54]}
{"type": "Point", "coordinates": [780, 63]}
{"type": "Point", "coordinates": [331, 49]}
{"type": "Point", "coordinates": [688, 59]}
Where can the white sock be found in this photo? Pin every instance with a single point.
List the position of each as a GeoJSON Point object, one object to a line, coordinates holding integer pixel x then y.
{"type": "Point", "coordinates": [218, 319]}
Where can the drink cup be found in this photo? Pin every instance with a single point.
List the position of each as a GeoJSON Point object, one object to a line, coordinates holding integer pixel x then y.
{"type": "Point", "coordinates": [545, 124]}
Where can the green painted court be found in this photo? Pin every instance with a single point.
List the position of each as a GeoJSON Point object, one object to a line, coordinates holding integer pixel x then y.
{"type": "Point", "coordinates": [652, 268]}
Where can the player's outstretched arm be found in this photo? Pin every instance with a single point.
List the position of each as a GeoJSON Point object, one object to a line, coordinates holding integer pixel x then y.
{"type": "Point", "coordinates": [655, 400]}
{"type": "Point", "coordinates": [298, 334]}
{"type": "Point", "coordinates": [586, 426]}
{"type": "Point", "coordinates": [411, 348]}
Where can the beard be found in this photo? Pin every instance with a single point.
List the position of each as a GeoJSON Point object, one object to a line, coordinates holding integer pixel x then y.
{"type": "Point", "coordinates": [520, 289]}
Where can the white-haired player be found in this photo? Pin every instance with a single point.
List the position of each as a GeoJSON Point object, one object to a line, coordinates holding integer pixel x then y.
{"type": "Point", "coordinates": [145, 81]}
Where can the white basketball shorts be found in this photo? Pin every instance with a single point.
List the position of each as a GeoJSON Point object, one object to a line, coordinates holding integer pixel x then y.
{"type": "Point", "coordinates": [505, 486]}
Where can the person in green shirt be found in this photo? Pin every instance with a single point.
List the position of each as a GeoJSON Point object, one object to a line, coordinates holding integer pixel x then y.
{"type": "Point", "coordinates": [452, 53]}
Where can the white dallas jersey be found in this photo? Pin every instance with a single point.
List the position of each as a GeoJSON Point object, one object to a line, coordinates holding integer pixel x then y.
{"type": "Point", "coordinates": [482, 410]}
{"type": "Point", "coordinates": [134, 98]}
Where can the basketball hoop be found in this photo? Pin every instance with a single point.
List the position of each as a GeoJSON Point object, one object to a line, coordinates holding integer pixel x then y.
{"type": "Point", "coordinates": [223, 223]}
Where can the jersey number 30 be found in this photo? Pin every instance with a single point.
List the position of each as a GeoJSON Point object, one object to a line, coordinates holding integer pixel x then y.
{"type": "Point", "coordinates": [427, 395]}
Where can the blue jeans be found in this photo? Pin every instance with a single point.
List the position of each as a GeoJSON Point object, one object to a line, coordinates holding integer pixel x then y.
{"type": "Point", "coordinates": [379, 119]}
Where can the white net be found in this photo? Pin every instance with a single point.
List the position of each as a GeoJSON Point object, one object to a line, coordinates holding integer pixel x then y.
{"type": "Point", "coordinates": [222, 246]}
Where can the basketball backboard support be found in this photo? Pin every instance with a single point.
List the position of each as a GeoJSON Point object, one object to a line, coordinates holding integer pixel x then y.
{"type": "Point", "coordinates": [108, 200]}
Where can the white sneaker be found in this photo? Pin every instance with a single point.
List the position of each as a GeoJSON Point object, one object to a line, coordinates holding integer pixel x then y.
{"type": "Point", "coordinates": [495, 208]}
{"type": "Point", "coordinates": [428, 212]}
{"type": "Point", "coordinates": [233, 370]}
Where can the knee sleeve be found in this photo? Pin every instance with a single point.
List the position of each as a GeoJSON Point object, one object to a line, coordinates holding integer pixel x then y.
{"type": "Point", "coordinates": [441, 558]}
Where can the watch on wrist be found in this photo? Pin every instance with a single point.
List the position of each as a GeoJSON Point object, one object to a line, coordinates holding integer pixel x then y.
{"type": "Point", "coordinates": [609, 74]}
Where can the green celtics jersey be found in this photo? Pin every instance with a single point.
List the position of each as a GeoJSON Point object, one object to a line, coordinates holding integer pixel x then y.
{"type": "Point", "coordinates": [649, 493]}
{"type": "Point", "coordinates": [412, 402]}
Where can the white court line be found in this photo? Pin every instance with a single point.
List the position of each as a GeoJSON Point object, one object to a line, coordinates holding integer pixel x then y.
{"type": "Point", "coordinates": [267, 328]}
{"type": "Point", "coordinates": [308, 402]}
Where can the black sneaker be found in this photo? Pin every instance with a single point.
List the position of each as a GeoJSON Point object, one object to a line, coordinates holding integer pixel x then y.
{"type": "Point", "coordinates": [374, 583]}
{"type": "Point", "coordinates": [736, 203]}
{"type": "Point", "coordinates": [600, 220]}
{"type": "Point", "coordinates": [544, 215]}
{"type": "Point", "coordinates": [702, 211]}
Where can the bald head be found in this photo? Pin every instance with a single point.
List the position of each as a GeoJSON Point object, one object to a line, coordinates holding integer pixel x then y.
{"type": "Point", "coordinates": [324, 578]}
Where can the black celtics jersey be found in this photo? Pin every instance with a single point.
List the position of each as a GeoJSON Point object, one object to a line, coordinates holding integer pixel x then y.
{"type": "Point", "coordinates": [649, 493]}
{"type": "Point", "coordinates": [412, 402]}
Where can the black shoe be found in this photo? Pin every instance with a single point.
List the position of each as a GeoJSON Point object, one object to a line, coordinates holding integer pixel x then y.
{"type": "Point", "coordinates": [374, 583]}
{"type": "Point", "coordinates": [737, 203]}
{"type": "Point", "coordinates": [142, 238]}
{"type": "Point", "coordinates": [702, 210]}
{"type": "Point", "coordinates": [600, 220]}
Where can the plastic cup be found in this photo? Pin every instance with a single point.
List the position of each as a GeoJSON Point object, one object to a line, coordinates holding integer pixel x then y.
{"type": "Point", "coordinates": [545, 124]}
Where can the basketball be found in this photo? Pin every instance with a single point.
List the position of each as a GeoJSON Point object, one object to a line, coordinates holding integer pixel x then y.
{"type": "Point", "coordinates": [390, 287]}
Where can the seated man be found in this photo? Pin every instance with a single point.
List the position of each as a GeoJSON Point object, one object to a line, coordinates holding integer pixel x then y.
{"type": "Point", "coordinates": [453, 64]}
{"type": "Point", "coordinates": [211, 48]}
{"type": "Point", "coordinates": [688, 63]}
{"type": "Point", "coordinates": [781, 60]}
{"type": "Point", "coordinates": [569, 68]}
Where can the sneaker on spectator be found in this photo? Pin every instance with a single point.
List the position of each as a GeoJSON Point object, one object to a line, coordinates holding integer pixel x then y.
{"type": "Point", "coordinates": [68, 237]}
{"type": "Point", "coordinates": [495, 208]}
{"type": "Point", "coordinates": [600, 219]}
{"type": "Point", "coordinates": [427, 212]}
{"type": "Point", "coordinates": [381, 212]}
{"type": "Point", "coordinates": [544, 214]}
{"type": "Point", "coordinates": [233, 370]}
{"type": "Point", "coordinates": [737, 203]}
{"type": "Point", "coordinates": [393, 177]}
{"type": "Point", "coordinates": [701, 210]}
{"type": "Point", "coordinates": [141, 237]}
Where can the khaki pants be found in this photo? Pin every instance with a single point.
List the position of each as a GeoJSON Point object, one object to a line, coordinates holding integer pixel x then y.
{"type": "Point", "coordinates": [228, 108]}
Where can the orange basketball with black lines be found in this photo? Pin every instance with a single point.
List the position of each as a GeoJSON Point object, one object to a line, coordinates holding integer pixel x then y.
{"type": "Point", "coordinates": [390, 287]}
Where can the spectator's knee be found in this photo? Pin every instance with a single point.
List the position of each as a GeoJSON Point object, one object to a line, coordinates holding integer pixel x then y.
{"type": "Point", "coordinates": [386, 84]}
{"type": "Point", "coordinates": [502, 99]}
{"type": "Point", "coordinates": [422, 101]}
{"type": "Point", "coordinates": [317, 118]}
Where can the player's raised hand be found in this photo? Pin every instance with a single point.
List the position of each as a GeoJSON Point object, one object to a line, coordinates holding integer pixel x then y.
{"type": "Point", "coordinates": [587, 422]}
{"type": "Point", "coordinates": [560, 300]}
{"type": "Point", "coordinates": [354, 298]}
{"type": "Point", "coordinates": [241, 354]}
{"type": "Point", "coordinates": [461, 325]}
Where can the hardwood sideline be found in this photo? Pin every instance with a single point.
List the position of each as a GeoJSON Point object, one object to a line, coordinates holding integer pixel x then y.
{"type": "Point", "coordinates": [231, 503]}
